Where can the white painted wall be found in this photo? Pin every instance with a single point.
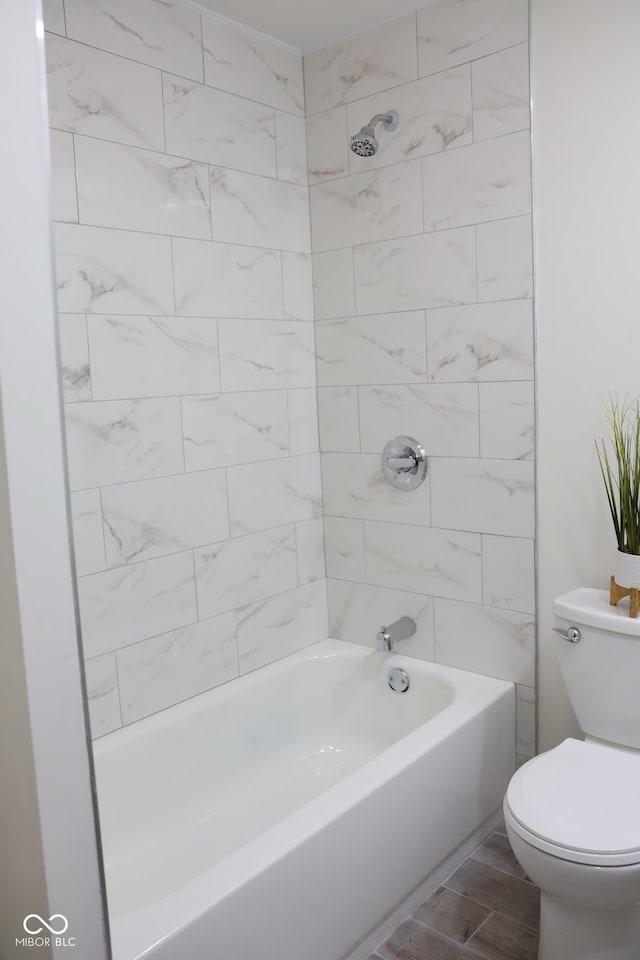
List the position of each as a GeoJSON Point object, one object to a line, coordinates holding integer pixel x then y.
{"type": "Point", "coordinates": [585, 80]}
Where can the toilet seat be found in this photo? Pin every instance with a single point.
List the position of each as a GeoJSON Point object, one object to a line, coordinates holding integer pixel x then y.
{"type": "Point", "coordinates": [580, 802]}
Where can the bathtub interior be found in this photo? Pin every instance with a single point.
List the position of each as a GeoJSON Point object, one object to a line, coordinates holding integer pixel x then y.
{"type": "Point", "coordinates": [206, 777]}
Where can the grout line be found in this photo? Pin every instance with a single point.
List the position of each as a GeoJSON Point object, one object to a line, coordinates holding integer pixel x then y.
{"type": "Point", "coordinates": [192, 239]}
{"type": "Point", "coordinates": [104, 538]}
{"type": "Point", "coordinates": [167, 476]}
{"type": "Point", "coordinates": [165, 152]}
{"type": "Point", "coordinates": [325, 320]}
{"type": "Point", "coordinates": [75, 177]}
{"type": "Point", "coordinates": [226, 497]}
{"type": "Point", "coordinates": [216, 321]}
{"type": "Point", "coordinates": [117, 673]}
{"type": "Point", "coordinates": [89, 361]}
{"type": "Point", "coordinates": [195, 583]}
{"type": "Point", "coordinates": [473, 138]}
{"type": "Point", "coordinates": [408, 83]}
{"type": "Point", "coordinates": [201, 18]}
{"type": "Point", "coordinates": [282, 288]}
{"type": "Point", "coordinates": [184, 456]}
{"type": "Point", "coordinates": [378, 165]}
{"type": "Point", "coordinates": [475, 258]}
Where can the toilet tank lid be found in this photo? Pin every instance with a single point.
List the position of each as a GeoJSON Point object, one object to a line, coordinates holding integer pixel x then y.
{"type": "Point", "coordinates": [591, 608]}
{"type": "Point", "coordinates": [581, 796]}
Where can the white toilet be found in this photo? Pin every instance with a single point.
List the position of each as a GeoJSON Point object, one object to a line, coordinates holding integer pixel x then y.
{"type": "Point", "coordinates": [573, 813]}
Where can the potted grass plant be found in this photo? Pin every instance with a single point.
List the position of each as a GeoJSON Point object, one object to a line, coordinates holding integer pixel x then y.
{"type": "Point", "coordinates": [619, 458]}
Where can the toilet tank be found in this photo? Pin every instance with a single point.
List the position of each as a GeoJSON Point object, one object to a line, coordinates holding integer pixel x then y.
{"type": "Point", "coordinates": [602, 670]}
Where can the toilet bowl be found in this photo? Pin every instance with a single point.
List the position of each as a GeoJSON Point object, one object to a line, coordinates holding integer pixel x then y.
{"type": "Point", "coordinates": [573, 814]}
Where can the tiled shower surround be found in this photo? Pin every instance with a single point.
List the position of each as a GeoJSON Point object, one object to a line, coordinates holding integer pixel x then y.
{"type": "Point", "coordinates": [185, 292]}
{"type": "Point", "coordinates": [184, 236]}
{"type": "Point", "coordinates": [423, 282]}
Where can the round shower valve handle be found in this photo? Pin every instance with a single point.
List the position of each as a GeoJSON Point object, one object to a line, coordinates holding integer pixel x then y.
{"type": "Point", "coordinates": [404, 463]}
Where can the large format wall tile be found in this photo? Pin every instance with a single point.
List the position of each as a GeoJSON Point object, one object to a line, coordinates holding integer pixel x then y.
{"type": "Point", "coordinates": [303, 420]}
{"type": "Point", "coordinates": [74, 356]}
{"type": "Point", "coordinates": [218, 127]}
{"type": "Point", "coordinates": [389, 348]}
{"type": "Point", "coordinates": [526, 720]}
{"type": "Point", "coordinates": [435, 114]}
{"type": "Point", "coordinates": [101, 678]}
{"type": "Point", "coordinates": [289, 490]}
{"type": "Point", "coordinates": [497, 643]}
{"type": "Point", "coordinates": [234, 428]}
{"type": "Point", "coordinates": [280, 625]}
{"type": "Point", "coordinates": [327, 145]}
{"type": "Point", "coordinates": [265, 354]}
{"type": "Point", "coordinates": [161, 33]}
{"type": "Point", "coordinates": [133, 189]}
{"type": "Point", "coordinates": [344, 545]}
{"type": "Point", "coordinates": [354, 486]}
{"type": "Point", "coordinates": [505, 259]}
{"type": "Point", "coordinates": [333, 284]}
{"type": "Point", "coordinates": [99, 95]}
{"type": "Point", "coordinates": [88, 537]}
{"type": "Point", "coordinates": [484, 181]}
{"type": "Point", "coordinates": [507, 420]}
{"type": "Point", "coordinates": [63, 177]}
{"type": "Point", "coordinates": [432, 270]}
{"type": "Point", "coordinates": [120, 607]}
{"type": "Point", "coordinates": [246, 569]}
{"type": "Point", "coordinates": [376, 205]}
{"type": "Point", "coordinates": [101, 270]}
{"type": "Point", "coordinates": [442, 563]}
{"type": "Point", "coordinates": [161, 671]}
{"type": "Point", "coordinates": [166, 515]}
{"type": "Point", "coordinates": [453, 31]}
{"type": "Point", "coordinates": [153, 356]}
{"type": "Point", "coordinates": [117, 440]}
{"type": "Point", "coordinates": [310, 547]}
{"type": "Point", "coordinates": [297, 286]}
{"type": "Point", "coordinates": [291, 148]}
{"type": "Point", "coordinates": [366, 63]}
{"type": "Point", "coordinates": [490, 496]}
{"type": "Point", "coordinates": [443, 417]}
{"type": "Point", "coordinates": [508, 573]}
{"type": "Point", "coordinates": [357, 611]}
{"type": "Point", "coordinates": [338, 419]}
{"type": "Point", "coordinates": [226, 280]}
{"type": "Point", "coordinates": [488, 341]}
{"type": "Point", "coordinates": [53, 15]}
{"type": "Point", "coordinates": [252, 67]}
{"type": "Point", "coordinates": [501, 92]}
{"type": "Point", "coordinates": [259, 211]}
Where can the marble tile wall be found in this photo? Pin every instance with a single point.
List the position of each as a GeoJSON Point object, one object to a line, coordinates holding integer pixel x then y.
{"type": "Point", "coordinates": [422, 285]}
{"type": "Point", "coordinates": [186, 323]}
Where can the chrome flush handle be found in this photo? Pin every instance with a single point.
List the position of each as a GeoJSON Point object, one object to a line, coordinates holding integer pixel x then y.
{"type": "Point", "coordinates": [572, 635]}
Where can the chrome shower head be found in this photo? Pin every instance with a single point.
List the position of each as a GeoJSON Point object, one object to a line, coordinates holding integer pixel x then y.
{"type": "Point", "coordinates": [364, 143]}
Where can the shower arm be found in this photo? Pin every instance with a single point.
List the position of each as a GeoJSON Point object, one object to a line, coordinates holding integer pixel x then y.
{"type": "Point", "coordinates": [381, 118]}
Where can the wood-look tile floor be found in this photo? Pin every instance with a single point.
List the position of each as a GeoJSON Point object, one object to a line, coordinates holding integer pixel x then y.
{"type": "Point", "coordinates": [486, 909]}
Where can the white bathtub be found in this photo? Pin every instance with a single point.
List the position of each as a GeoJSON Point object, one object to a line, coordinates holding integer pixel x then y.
{"type": "Point", "coordinates": [299, 811]}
